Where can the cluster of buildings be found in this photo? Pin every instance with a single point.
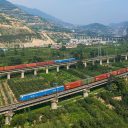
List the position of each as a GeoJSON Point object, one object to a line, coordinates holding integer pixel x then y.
{"type": "Point", "coordinates": [73, 43]}
{"type": "Point", "coordinates": [87, 41]}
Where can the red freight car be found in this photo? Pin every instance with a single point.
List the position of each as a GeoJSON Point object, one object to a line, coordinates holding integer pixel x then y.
{"type": "Point", "coordinates": [31, 65]}
{"type": "Point", "coordinates": [122, 70]}
{"type": "Point", "coordinates": [73, 84]}
{"type": "Point", "coordinates": [127, 69]}
{"type": "Point", "coordinates": [41, 63]}
{"type": "Point", "coordinates": [6, 68]}
{"type": "Point", "coordinates": [45, 63]}
{"type": "Point", "coordinates": [1, 68]}
{"type": "Point", "coordinates": [50, 62]}
{"type": "Point", "coordinates": [21, 66]}
{"type": "Point", "coordinates": [102, 77]}
{"type": "Point", "coordinates": [114, 73]}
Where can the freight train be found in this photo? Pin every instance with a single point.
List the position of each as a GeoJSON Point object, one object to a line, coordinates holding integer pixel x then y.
{"type": "Point", "coordinates": [32, 65]}
{"type": "Point", "coordinates": [71, 85]}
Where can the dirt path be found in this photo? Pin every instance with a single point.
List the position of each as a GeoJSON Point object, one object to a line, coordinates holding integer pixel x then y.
{"type": "Point", "coordinates": [102, 101]}
{"type": "Point", "coordinates": [3, 95]}
{"type": "Point", "coordinates": [10, 94]}
{"type": "Point", "coordinates": [1, 100]}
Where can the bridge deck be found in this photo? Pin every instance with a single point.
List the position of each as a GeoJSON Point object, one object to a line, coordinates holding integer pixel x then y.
{"type": "Point", "coordinates": [36, 68]}
{"type": "Point", "coordinates": [19, 106]}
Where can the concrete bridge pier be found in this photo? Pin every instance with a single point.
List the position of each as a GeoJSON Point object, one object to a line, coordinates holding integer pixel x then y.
{"type": "Point", "coordinates": [22, 74]}
{"type": "Point", "coordinates": [108, 61]}
{"type": "Point", "coordinates": [126, 57]}
{"type": "Point", "coordinates": [54, 105]}
{"type": "Point", "coordinates": [35, 72]}
{"type": "Point", "coordinates": [101, 62]}
{"type": "Point", "coordinates": [114, 60]}
{"type": "Point", "coordinates": [58, 68]}
{"type": "Point", "coordinates": [67, 67]}
{"type": "Point", "coordinates": [85, 93]}
{"type": "Point", "coordinates": [8, 117]}
{"type": "Point", "coordinates": [126, 77]}
{"type": "Point", "coordinates": [85, 64]}
{"type": "Point", "coordinates": [9, 76]}
{"type": "Point", "coordinates": [46, 70]}
{"type": "Point", "coordinates": [93, 62]}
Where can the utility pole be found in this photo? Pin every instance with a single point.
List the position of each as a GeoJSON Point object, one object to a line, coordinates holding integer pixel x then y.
{"type": "Point", "coordinates": [99, 50]}
{"type": "Point", "coordinates": [56, 97]}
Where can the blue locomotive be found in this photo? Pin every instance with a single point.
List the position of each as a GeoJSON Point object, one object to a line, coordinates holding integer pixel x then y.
{"type": "Point", "coordinates": [65, 60]}
{"type": "Point", "coordinates": [41, 93]}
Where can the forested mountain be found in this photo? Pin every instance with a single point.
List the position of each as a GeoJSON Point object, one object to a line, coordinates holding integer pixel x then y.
{"type": "Point", "coordinates": [120, 29]}
{"type": "Point", "coordinates": [96, 29]}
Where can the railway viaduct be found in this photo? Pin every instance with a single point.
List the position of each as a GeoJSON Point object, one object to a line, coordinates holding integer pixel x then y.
{"type": "Point", "coordinates": [9, 110]}
{"type": "Point", "coordinates": [100, 59]}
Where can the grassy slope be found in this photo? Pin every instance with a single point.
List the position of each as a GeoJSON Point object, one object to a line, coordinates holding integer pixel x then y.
{"type": "Point", "coordinates": [84, 113]}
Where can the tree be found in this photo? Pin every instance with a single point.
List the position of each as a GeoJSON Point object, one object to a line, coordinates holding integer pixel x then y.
{"type": "Point", "coordinates": [14, 60]}
{"type": "Point", "coordinates": [63, 48]}
{"type": "Point", "coordinates": [122, 85]}
{"type": "Point", "coordinates": [2, 53]}
{"type": "Point", "coordinates": [32, 117]}
{"type": "Point", "coordinates": [2, 121]}
{"type": "Point", "coordinates": [18, 120]}
{"type": "Point", "coordinates": [36, 59]}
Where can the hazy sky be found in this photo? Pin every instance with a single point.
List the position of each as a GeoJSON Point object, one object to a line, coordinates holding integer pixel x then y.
{"type": "Point", "coordinates": [82, 11]}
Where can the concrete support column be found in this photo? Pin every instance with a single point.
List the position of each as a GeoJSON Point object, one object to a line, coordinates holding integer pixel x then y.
{"type": "Point", "coordinates": [93, 62]}
{"type": "Point", "coordinates": [85, 93]}
{"type": "Point", "coordinates": [46, 70]}
{"type": "Point", "coordinates": [54, 104]}
{"type": "Point", "coordinates": [108, 61]}
{"type": "Point", "coordinates": [126, 57]}
{"type": "Point", "coordinates": [114, 60]}
{"type": "Point", "coordinates": [85, 64]}
{"type": "Point", "coordinates": [126, 78]}
{"type": "Point", "coordinates": [58, 68]}
{"type": "Point", "coordinates": [8, 118]}
{"type": "Point", "coordinates": [67, 67]}
{"type": "Point", "coordinates": [101, 62]}
{"type": "Point", "coordinates": [35, 72]}
{"type": "Point", "coordinates": [8, 76]}
{"type": "Point", "coordinates": [22, 74]}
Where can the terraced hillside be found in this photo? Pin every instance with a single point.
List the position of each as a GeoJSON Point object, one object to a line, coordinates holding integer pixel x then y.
{"type": "Point", "coordinates": [6, 95]}
{"type": "Point", "coordinates": [13, 11]}
{"type": "Point", "coordinates": [18, 27]}
{"type": "Point", "coordinates": [12, 30]}
{"type": "Point", "coordinates": [12, 26]}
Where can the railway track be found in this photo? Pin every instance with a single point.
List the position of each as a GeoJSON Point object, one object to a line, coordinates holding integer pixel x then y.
{"type": "Point", "coordinates": [19, 106]}
{"type": "Point", "coordinates": [22, 105]}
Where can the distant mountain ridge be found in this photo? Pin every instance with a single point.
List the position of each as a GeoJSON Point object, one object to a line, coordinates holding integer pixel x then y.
{"type": "Point", "coordinates": [120, 29]}
{"type": "Point", "coordinates": [96, 29]}
{"type": "Point", "coordinates": [37, 21]}
{"type": "Point", "coordinates": [48, 17]}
